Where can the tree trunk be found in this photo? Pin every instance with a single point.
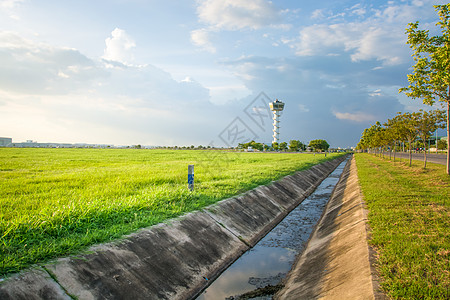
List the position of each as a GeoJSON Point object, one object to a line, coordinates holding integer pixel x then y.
{"type": "Point", "coordinates": [410, 152]}
{"type": "Point", "coordinates": [448, 135]}
{"type": "Point", "coordinates": [425, 157]}
{"type": "Point", "coordinates": [395, 146]}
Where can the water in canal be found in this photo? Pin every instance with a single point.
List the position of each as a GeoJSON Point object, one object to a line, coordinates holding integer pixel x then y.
{"type": "Point", "coordinates": [272, 257]}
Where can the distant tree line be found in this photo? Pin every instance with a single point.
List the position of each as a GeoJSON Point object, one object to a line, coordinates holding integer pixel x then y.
{"type": "Point", "coordinates": [406, 128]}
{"type": "Point", "coordinates": [293, 146]}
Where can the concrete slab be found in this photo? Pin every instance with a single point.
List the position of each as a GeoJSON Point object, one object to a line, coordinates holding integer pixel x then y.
{"type": "Point", "coordinates": [33, 284]}
{"type": "Point", "coordinates": [278, 196]}
{"type": "Point", "coordinates": [169, 261]}
{"type": "Point", "coordinates": [249, 217]}
{"type": "Point", "coordinates": [303, 181]}
{"type": "Point", "coordinates": [335, 264]}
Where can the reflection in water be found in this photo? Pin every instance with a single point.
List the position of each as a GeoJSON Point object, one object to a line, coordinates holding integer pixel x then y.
{"type": "Point", "coordinates": [259, 262]}
{"type": "Point", "coordinates": [269, 261]}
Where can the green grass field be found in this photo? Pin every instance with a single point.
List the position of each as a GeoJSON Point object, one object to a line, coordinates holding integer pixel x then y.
{"type": "Point", "coordinates": [410, 221]}
{"type": "Point", "coordinates": [54, 202]}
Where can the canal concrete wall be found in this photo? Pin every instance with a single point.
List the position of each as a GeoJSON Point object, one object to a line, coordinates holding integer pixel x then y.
{"type": "Point", "coordinates": [174, 260]}
{"type": "Point", "coordinates": [336, 262]}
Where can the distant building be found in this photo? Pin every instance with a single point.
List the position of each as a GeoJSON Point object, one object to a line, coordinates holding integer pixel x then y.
{"type": "Point", "coordinates": [5, 142]}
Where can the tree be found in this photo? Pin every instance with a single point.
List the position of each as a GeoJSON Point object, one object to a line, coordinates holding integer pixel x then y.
{"type": "Point", "coordinates": [295, 145]}
{"type": "Point", "coordinates": [319, 145]}
{"type": "Point", "coordinates": [275, 146]}
{"type": "Point", "coordinates": [427, 123]}
{"type": "Point", "coordinates": [398, 131]}
{"type": "Point", "coordinates": [283, 146]}
{"type": "Point", "coordinates": [253, 144]}
{"type": "Point", "coordinates": [431, 77]}
{"type": "Point", "coordinates": [409, 132]}
{"type": "Point", "coordinates": [370, 138]}
{"type": "Point", "coordinates": [442, 145]}
{"type": "Point", "coordinates": [393, 127]}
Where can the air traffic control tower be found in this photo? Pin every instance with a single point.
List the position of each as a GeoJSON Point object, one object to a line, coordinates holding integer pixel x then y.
{"type": "Point", "coordinates": [276, 107]}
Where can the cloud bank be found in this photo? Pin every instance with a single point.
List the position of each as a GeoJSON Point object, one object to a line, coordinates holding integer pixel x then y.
{"type": "Point", "coordinates": [72, 98]}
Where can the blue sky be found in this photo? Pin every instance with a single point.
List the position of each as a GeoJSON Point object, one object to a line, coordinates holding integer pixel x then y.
{"type": "Point", "coordinates": [199, 72]}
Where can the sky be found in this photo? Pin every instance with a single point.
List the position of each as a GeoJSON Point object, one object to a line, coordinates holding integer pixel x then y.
{"type": "Point", "coordinates": [202, 72]}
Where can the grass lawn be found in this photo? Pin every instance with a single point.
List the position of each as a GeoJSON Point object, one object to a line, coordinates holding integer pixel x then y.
{"type": "Point", "coordinates": [54, 202]}
{"type": "Point", "coordinates": [409, 217]}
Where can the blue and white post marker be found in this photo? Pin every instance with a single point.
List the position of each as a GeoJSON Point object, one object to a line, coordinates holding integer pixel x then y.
{"type": "Point", "coordinates": [191, 177]}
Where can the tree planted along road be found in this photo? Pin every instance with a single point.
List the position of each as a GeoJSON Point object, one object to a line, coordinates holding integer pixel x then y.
{"type": "Point", "coordinates": [430, 80]}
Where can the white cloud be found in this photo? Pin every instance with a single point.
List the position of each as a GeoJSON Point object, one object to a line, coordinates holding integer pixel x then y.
{"type": "Point", "coordinates": [187, 79]}
{"type": "Point", "coordinates": [200, 37]}
{"type": "Point", "coordinates": [9, 4]}
{"type": "Point", "coordinates": [356, 117]}
{"type": "Point", "coordinates": [10, 8]}
{"type": "Point", "coordinates": [321, 38]}
{"type": "Point", "coordinates": [51, 93]}
{"type": "Point", "coordinates": [227, 93]}
{"type": "Point", "coordinates": [363, 41]}
{"type": "Point", "coordinates": [317, 14]}
{"type": "Point", "coordinates": [30, 67]}
{"type": "Point", "coordinates": [303, 108]}
{"type": "Point", "coordinates": [236, 14]}
{"type": "Point", "coordinates": [382, 44]}
{"type": "Point", "coordinates": [375, 93]}
{"type": "Point", "coordinates": [380, 36]}
{"type": "Point", "coordinates": [357, 9]}
{"type": "Point", "coordinates": [119, 46]}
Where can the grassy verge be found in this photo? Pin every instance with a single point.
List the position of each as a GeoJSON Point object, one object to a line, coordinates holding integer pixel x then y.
{"type": "Point", "coordinates": [54, 202]}
{"type": "Point", "coordinates": [409, 217]}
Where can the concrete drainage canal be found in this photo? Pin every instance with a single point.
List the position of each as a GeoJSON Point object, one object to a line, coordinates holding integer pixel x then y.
{"type": "Point", "coordinates": [258, 273]}
{"type": "Point", "coordinates": [214, 250]}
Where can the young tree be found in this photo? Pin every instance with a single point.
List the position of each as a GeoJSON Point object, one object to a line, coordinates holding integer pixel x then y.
{"type": "Point", "coordinates": [442, 145]}
{"type": "Point", "coordinates": [366, 140]}
{"type": "Point", "coordinates": [427, 123]}
{"type": "Point", "coordinates": [370, 138]}
{"type": "Point", "coordinates": [283, 146]}
{"type": "Point", "coordinates": [431, 77]}
{"type": "Point", "coordinates": [319, 145]}
{"type": "Point", "coordinates": [397, 131]}
{"type": "Point", "coordinates": [392, 134]}
{"type": "Point", "coordinates": [382, 140]}
{"type": "Point", "coordinates": [409, 132]}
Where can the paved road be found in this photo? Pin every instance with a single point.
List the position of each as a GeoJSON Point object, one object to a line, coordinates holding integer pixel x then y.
{"type": "Point", "coordinates": [431, 157]}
